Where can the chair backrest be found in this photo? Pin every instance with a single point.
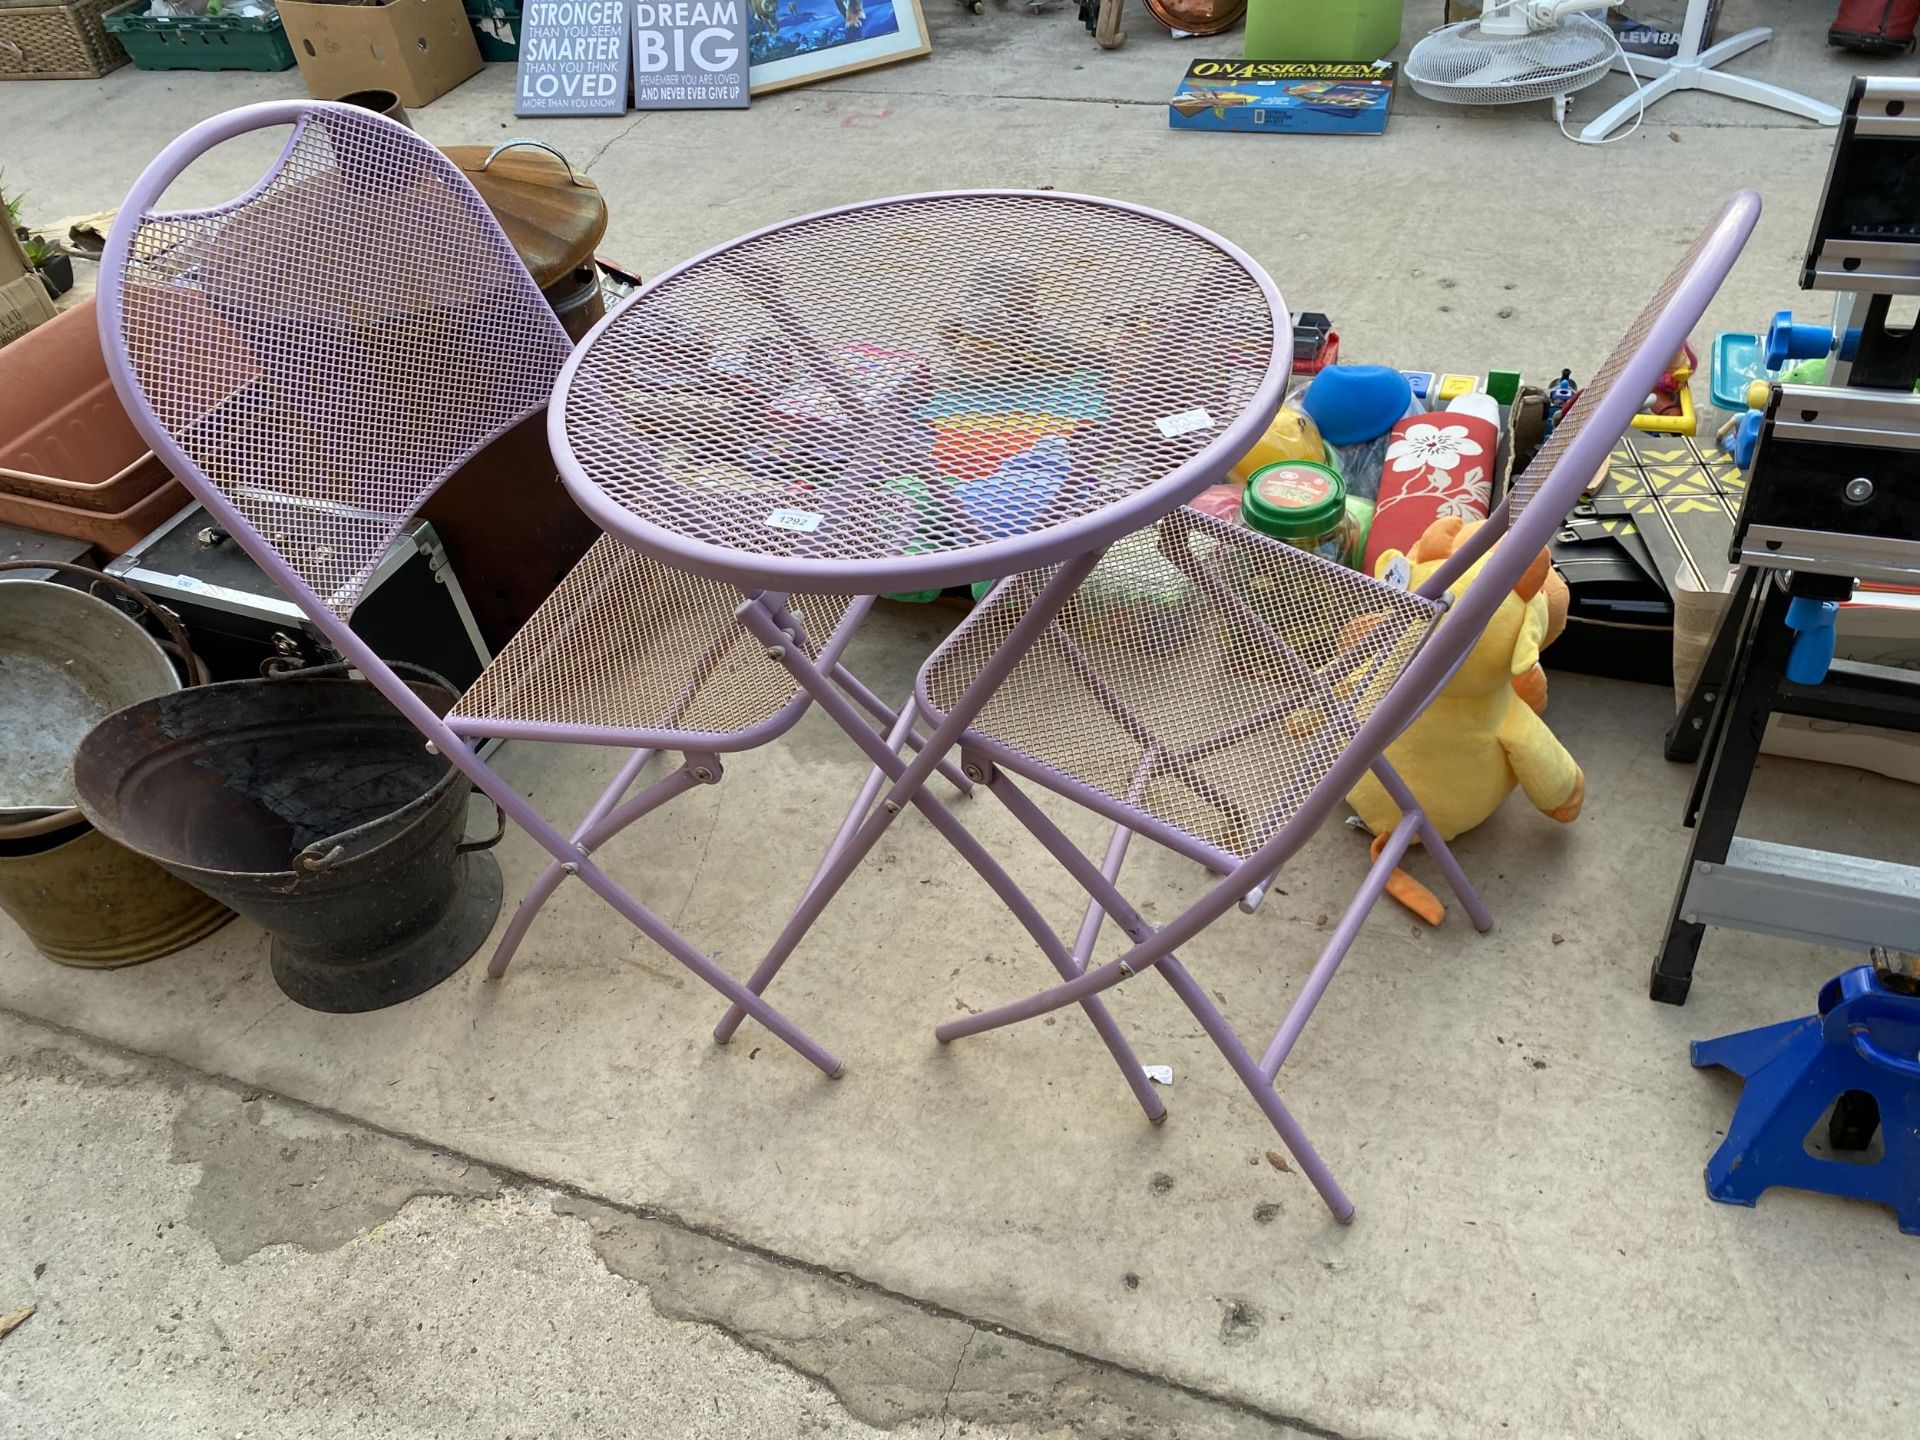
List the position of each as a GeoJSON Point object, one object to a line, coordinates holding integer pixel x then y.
{"type": "Point", "coordinates": [317, 355]}
{"type": "Point", "coordinates": [1554, 479]}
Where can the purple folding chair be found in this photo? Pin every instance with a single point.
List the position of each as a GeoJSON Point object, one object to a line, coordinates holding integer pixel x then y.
{"type": "Point", "coordinates": [1220, 693]}
{"type": "Point", "coordinates": [315, 357]}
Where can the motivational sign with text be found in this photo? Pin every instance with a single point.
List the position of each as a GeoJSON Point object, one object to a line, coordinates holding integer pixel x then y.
{"type": "Point", "coordinates": [689, 54]}
{"type": "Point", "coordinates": [573, 58]}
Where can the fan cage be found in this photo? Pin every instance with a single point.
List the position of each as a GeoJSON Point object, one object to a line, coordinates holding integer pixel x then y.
{"type": "Point", "coordinates": [1460, 65]}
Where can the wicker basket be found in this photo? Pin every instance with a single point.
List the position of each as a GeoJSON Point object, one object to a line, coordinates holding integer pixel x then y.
{"type": "Point", "coordinates": [57, 42]}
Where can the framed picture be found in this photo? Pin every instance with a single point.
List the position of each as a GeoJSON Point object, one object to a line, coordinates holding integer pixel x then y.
{"type": "Point", "coordinates": [795, 42]}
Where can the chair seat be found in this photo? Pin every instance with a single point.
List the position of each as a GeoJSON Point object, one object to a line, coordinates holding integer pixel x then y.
{"type": "Point", "coordinates": [1202, 680]}
{"type": "Point", "coordinates": [625, 643]}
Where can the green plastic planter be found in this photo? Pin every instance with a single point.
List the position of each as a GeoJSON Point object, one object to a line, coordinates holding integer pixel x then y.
{"type": "Point", "coordinates": [200, 42]}
{"type": "Point", "coordinates": [496, 26]}
{"type": "Point", "coordinates": [1362, 30]}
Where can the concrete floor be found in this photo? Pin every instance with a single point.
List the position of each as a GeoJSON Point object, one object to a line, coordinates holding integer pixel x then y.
{"type": "Point", "coordinates": [656, 1236]}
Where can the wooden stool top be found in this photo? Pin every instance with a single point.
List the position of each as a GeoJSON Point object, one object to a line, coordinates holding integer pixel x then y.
{"type": "Point", "coordinates": [553, 217]}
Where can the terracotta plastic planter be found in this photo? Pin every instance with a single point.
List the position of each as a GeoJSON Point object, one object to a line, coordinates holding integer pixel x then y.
{"type": "Point", "coordinates": [67, 449]}
{"type": "Point", "coordinates": [114, 533]}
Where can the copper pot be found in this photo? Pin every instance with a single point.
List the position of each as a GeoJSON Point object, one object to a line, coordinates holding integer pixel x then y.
{"type": "Point", "coordinates": [1198, 17]}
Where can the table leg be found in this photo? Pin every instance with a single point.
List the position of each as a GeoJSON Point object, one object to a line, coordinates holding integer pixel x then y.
{"type": "Point", "coordinates": [863, 802]}
{"type": "Point", "coordinates": [885, 714]}
{"type": "Point", "coordinates": [909, 778]}
{"type": "Point", "coordinates": [971, 850]}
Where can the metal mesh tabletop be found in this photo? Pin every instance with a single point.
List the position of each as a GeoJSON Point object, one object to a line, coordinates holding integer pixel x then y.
{"type": "Point", "coordinates": [921, 391]}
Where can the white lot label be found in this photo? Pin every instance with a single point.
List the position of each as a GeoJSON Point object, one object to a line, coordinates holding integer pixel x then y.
{"type": "Point", "coordinates": [1159, 1074]}
{"type": "Point", "coordinates": [1399, 572]}
{"type": "Point", "coordinates": [803, 521]}
{"type": "Point", "coordinates": [1185, 423]}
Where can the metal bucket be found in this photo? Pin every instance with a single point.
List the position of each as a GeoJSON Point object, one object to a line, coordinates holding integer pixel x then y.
{"type": "Point", "coordinates": [67, 658]}
{"type": "Point", "coordinates": [83, 900]}
{"type": "Point", "coordinates": [311, 806]}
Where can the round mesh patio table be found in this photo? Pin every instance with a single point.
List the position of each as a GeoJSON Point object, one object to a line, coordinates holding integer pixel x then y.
{"type": "Point", "coordinates": [910, 394]}
{"type": "Point", "coordinates": [919, 392]}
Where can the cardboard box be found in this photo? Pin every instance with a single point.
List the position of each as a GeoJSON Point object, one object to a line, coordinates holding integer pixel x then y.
{"type": "Point", "coordinates": [24, 302]}
{"type": "Point", "coordinates": [418, 49]}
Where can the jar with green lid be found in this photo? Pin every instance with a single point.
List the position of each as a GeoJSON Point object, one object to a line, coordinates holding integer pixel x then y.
{"type": "Point", "coordinates": [1303, 503]}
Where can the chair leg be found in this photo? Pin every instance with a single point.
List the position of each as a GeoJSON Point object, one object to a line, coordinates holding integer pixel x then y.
{"type": "Point", "coordinates": [1144, 957]}
{"type": "Point", "coordinates": [1016, 901]}
{"type": "Point", "coordinates": [1072, 966]}
{"type": "Point", "coordinates": [576, 859]}
{"type": "Point", "coordinates": [730, 989]}
{"type": "Point", "coordinates": [529, 907]}
{"type": "Point", "coordinates": [1260, 1087]}
{"type": "Point", "coordinates": [1095, 916]}
{"type": "Point", "coordinates": [696, 769]}
{"type": "Point", "coordinates": [856, 812]}
{"type": "Point", "coordinates": [542, 889]}
{"type": "Point", "coordinates": [1045, 1002]}
{"type": "Point", "coordinates": [1085, 983]}
{"type": "Point", "coordinates": [1075, 963]}
{"type": "Point", "coordinates": [1335, 950]}
{"type": "Point", "coordinates": [522, 812]}
{"type": "Point", "coordinates": [1100, 886]}
{"type": "Point", "coordinates": [1456, 878]}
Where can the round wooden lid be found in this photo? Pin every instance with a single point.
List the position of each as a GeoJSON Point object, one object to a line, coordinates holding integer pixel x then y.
{"type": "Point", "coordinates": [553, 218]}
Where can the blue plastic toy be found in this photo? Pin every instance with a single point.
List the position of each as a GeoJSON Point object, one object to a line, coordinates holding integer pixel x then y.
{"type": "Point", "coordinates": [1812, 653]}
{"type": "Point", "coordinates": [1738, 361]}
{"type": "Point", "coordinates": [1560, 397]}
{"type": "Point", "coordinates": [1789, 341]}
{"type": "Point", "coordinates": [1859, 1051]}
{"type": "Point", "coordinates": [1353, 404]}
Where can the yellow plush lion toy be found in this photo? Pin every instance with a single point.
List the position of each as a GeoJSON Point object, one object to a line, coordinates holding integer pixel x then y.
{"type": "Point", "coordinates": [1483, 734]}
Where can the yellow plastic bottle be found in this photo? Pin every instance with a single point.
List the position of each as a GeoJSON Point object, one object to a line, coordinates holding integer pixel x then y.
{"type": "Point", "coordinates": [1291, 436]}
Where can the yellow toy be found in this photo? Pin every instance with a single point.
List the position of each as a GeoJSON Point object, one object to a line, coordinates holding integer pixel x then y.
{"type": "Point", "coordinates": [1291, 435]}
{"type": "Point", "coordinates": [1532, 686]}
{"type": "Point", "coordinates": [1481, 736]}
{"type": "Point", "coordinates": [1673, 390]}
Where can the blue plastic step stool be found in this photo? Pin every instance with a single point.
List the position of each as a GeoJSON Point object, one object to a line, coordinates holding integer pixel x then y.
{"type": "Point", "coordinates": [1863, 1042]}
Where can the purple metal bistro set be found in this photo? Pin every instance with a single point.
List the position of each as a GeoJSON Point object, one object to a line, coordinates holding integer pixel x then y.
{"type": "Point", "coordinates": [899, 395]}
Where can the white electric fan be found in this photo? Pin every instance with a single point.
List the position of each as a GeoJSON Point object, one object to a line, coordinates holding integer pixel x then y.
{"type": "Point", "coordinates": [1517, 51]}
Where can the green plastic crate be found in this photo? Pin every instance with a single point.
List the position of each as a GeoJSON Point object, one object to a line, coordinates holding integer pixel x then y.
{"type": "Point", "coordinates": [196, 42]}
{"type": "Point", "coordinates": [496, 25]}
